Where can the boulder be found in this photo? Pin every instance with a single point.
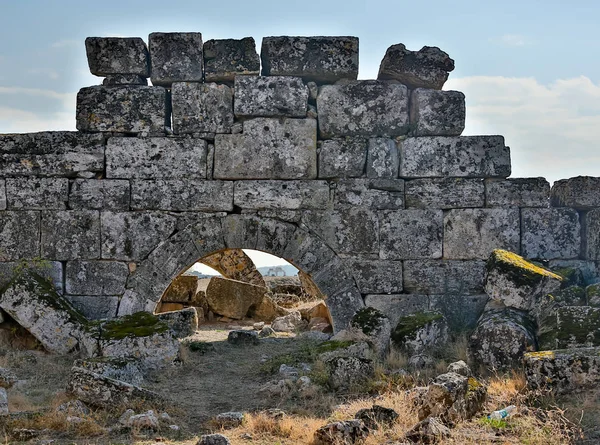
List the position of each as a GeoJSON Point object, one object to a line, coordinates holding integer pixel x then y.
{"type": "Point", "coordinates": [267, 310]}
{"type": "Point", "coordinates": [182, 323]}
{"type": "Point", "coordinates": [570, 327]}
{"type": "Point", "coordinates": [232, 298]}
{"type": "Point", "coordinates": [377, 416]}
{"type": "Point", "coordinates": [181, 290]}
{"type": "Point", "coordinates": [348, 372]}
{"type": "Point", "coordinates": [7, 378]}
{"type": "Point", "coordinates": [291, 322]}
{"type": "Point", "coordinates": [460, 367]}
{"type": "Point", "coordinates": [125, 369]}
{"type": "Point", "coordinates": [428, 431]}
{"type": "Point", "coordinates": [243, 338]}
{"type": "Point", "coordinates": [345, 432]}
{"type": "Point", "coordinates": [376, 326]}
{"type": "Point", "coordinates": [231, 419]}
{"type": "Point", "coordinates": [144, 421]}
{"type": "Point", "coordinates": [420, 332]}
{"type": "Point", "coordinates": [213, 439]}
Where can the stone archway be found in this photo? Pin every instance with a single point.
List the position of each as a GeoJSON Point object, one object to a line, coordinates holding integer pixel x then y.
{"type": "Point", "coordinates": [303, 249]}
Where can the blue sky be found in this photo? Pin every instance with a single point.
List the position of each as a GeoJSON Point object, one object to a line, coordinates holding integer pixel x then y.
{"type": "Point", "coordinates": [530, 69]}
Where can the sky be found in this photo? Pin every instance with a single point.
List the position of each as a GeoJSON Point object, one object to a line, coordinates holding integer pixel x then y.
{"type": "Point", "coordinates": [530, 69]}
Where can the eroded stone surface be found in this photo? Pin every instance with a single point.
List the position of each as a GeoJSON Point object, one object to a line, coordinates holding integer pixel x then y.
{"type": "Point", "coordinates": [226, 58]}
{"type": "Point", "coordinates": [232, 298]}
{"type": "Point", "coordinates": [117, 55]}
{"type": "Point", "coordinates": [96, 277]}
{"type": "Point", "coordinates": [52, 271]}
{"type": "Point", "coordinates": [444, 193]}
{"type": "Point", "coordinates": [437, 113]}
{"type": "Point", "coordinates": [19, 235]}
{"type": "Point", "coordinates": [580, 193]}
{"type": "Point", "coordinates": [95, 307]}
{"type": "Point", "coordinates": [591, 234]}
{"type": "Point", "coordinates": [410, 234]}
{"type": "Point", "coordinates": [397, 306]}
{"type": "Point", "coordinates": [202, 107]}
{"type": "Point", "coordinates": [570, 327]}
{"type": "Point", "coordinates": [37, 193]}
{"type": "Point", "coordinates": [437, 277]}
{"type": "Point", "coordinates": [270, 96]}
{"type": "Point", "coordinates": [420, 332]}
{"type": "Point", "coordinates": [517, 192]}
{"type": "Point", "coordinates": [342, 157]}
{"type": "Point", "coordinates": [382, 159]}
{"type": "Point", "coordinates": [2, 194]}
{"type": "Point", "coordinates": [124, 79]}
{"type": "Point", "coordinates": [280, 195]}
{"type": "Point", "coordinates": [70, 235]}
{"type": "Point", "coordinates": [96, 194]}
{"type": "Point", "coordinates": [376, 276]}
{"type": "Point", "coordinates": [550, 233]}
{"type": "Point", "coordinates": [182, 195]}
{"type": "Point", "coordinates": [376, 194]}
{"type": "Point", "coordinates": [175, 57]}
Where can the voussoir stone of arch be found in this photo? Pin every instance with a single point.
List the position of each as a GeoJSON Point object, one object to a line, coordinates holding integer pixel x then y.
{"type": "Point", "coordinates": [235, 265]}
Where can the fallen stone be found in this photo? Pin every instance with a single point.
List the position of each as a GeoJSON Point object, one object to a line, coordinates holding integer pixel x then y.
{"type": "Point", "coordinates": [228, 420]}
{"type": "Point", "coordinates": [420, 332]}
{"type": "Point", "coordinates": [175, 57]}
{"type": "Point", "coordinates": [377, 416]}
{"type": "Point", "coordinates": [580, 193]}
{"type": "Point", "coordinates": [444, 193]}
{"type": "Point", "coordinates": [550, 233]}
{"type": "Point", "coordinates": [73, 408]}
{"type": "Point", "coordinates": [183, 323]}
{"type": "Point", "coordinates": [460, 367]}
{"type": "Point", "coordinates": [280, 96]}
{"type": "Point", "coordinates": [183, 289]}
{"type": "Point", "coordinates": [396, 306]}
{"type": "Point", "coordinates": [289, 323]}
{"type": "Point", "coordinates": [267, 331]}
{"type": "Point", "coordinates": [202, 107]}
{"type": "Point", "coordinates": [232, 298]}
{"type": "Point", "coordinates": [37, 193]}
{"type": "Point", "coordinates": [570, 327]}
{"type": "Point", "coordinates": [348, 372]}
{"type": "Point", "coordinates": [213, 439]}
{"type": "Point", "coordinates": [428, 431]}
{"type": "Point", "coordinates": [125, 416]}
{"type": "Point", "coordinates": [343, 432]}
{"type": "Point", "coordinates": [99, 194]}
{"type": "Point", "coordinates": [517, 192]}
{"type": "Point", "coordinates": [125, 369]}
{"type": "Point", "coordinates": [224, 59]}
{"type": "Point", "coordinates": [376, 326]}
{"type": "Point", "coordinates": [342, 157]}
{"type": "Point", "coordinates": [144, 421]}
{"type": "Point", "coordinates": [437, 113]}
{"type": "Point", "coordinates": [410, 234]}
{"type": "Point", "coordinates": [267, 310]}
{"type": "Point", "coordinates": [117, 55]}
{"type": "Point", "coordinates": [242, 337]}
{"type": "Point", "coordinates": [7, 378]}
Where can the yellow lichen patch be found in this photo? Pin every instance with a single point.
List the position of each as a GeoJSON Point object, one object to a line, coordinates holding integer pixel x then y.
{"type": "Point", "coordinates": [518, 261]}
{"type": "Point", "coordinates": [540, 354]}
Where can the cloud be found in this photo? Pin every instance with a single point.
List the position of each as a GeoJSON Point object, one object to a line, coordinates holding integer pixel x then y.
{"type": "Point", "coordinates": [512, 40]}
{"type": "Point", "coordinates": [553, 130]}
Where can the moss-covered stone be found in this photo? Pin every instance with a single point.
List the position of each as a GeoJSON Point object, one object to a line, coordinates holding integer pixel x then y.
{"type": "Point", "coordinates": [571, 326]}
{"type": "Point", "coordinates": [571, 276]}
{"type": "Point", "coordinates": [368, 320]}
{"type": "Point", "coordinates": [593, 295]}
{"type": "Point", "coordinates": [140, 324]}
{"type": "Point", "coordinates": [409, 325]}
{"type": "Point", "coordinates": [522, 272]}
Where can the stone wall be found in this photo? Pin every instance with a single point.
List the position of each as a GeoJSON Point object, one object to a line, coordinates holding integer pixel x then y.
{"type": "Point", "coordinates": [365, 185]}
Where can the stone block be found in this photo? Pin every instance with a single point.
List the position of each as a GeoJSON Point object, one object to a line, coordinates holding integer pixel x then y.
{"type": "Point", "coordinates": [270, 96]}
{"type": "Point", "coordinates": [352, 230]}
{"type": "Point", "coordinates": [591, 236]}
{"type": "Point", "coordinates": [410, 234]}
{"type": "Point", "coordinates": [94, 307]}
{"type": "Point", "coordinates": [37, 193]}
{"type": "Point", "coordinates": [382, 159]}
{"type": "Point", "coordinates": [464, 156]}
{"type": "Point", "coordinates": [226, 58]}
{"type": "Point", "coordinates": [550, 233]}
{"type": "Point", "coordinates": [460, 311]}
{"type": "Point", "coordinates": [124, 79]}
{"type": "Point", "coordinates": [517, 192]}
{"type": "Point", "coordinates": [397, 306]}
{"type": "Point", "coordinates": [318, 59]}
{"type": "Point", "coordinates": [183, 289]}
{"type": "Point", "coordinates": [50, 270]}
{"type": "Point", "coordinates": [201, 107]}
{"type": "Point", "coordinates": [232, 298]}
{"type": "Point", "coordinates": [55, 153]}
{"type": "Point", "coordinates": [182, 195]}
{"type": "Point", "coordinates": [367, 108]}
{"type": "Point", "coordinates": [375, 194]}
{"type": "Point", "coordinates": [156, 158]}
{"type": "Point", "coordinates": [342, 158]}
{"type": "Point", "coordinates": [307, 252]}
{"type": "Point", "coordinates": [376, 276]}
{"type": "Point", "coordinates": [70, 235]}
{"type": "Point", "coordinates": [99, 194]}
{"type": "Point", "coordinates": [438, 277]}
{"type": "Point", "coordinates": [122, 109]}
{"type": "Point", "coordinates": [437, 113]}
{"type": "Point", "coordinates": [96, 277]}
{"type": "Point", "coordinates": [268, 149]}
{"type": "Point", "coordinates": [475, 233]}
{"type": "Point", "coordinates": [342, 307]}
{"type": "Point", "coordinates": [570, 327]}
{"type": "Point", "coordinates": [19, 235]}
{"type": "Point", "coordinates": [589, 274]}
{"type": "Point", "coordinates": [131, 236]}
{"type": "Point", "coordinates": [117, 55]}
{"type": "Point", "coordinates": [2, 194]}
{"type": "Point", "coordinates": [581, 193]}
{"type": "Point", "coordinates": [444, 193]}
{"type": "Point", "coordinates": [281, 195]}
{"type": "Point", "coordinates": [175, 57]}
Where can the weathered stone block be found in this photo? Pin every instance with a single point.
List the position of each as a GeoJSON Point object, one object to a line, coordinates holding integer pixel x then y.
{"type": "Point", "coordinates": [352, 230]}
{"type": "Point", "coordinates": [122, 109]}
{"type": "Point", "coordinates": [571, 327]}
{"type": "Point", "coordinates": [437, 113]}
{"type": "Point", "coordinates": [117, 55]}
{"type": "Point", "coordinates": [550, 233]}
{"type": "Point", "coordinates": [37, 193]}
{"type": "Point", "coordinates": [268, 149]}
{"type": "Point", "coordinates": [132, 236]}
{"type": "Point", "coordinates": [308, 252]}
{"type": "Point", "coordinates": [475, 233]}
{"type": "Point", "coordinates": [182, 195]}
{"type": "Point", "coordinates": [342, 158]}
{"type": "Point", "coordinates": [226, 58]}
{"type": "Point", "coordinates": [99, 194]}
{"type": "Point", "coordinates": [270, 96]}
{"type": "Point", "coordinates": [410, 234]}
{"type": "Point", "coordinates": [572, 268]}
{"type": "Point", "coordinates": [320, 59]}
{"type": "Point", "coordinates": [363, 108]}
{"type": "Point", "coordinates": [397, 306]}
{"type": "Point", "coordinates": [461, 311]}
{"type": "Point", "coordinates": [52, 271]}
{"type": "Point", "coordinates": [19, 235]}
{"type": "Point", "coordinates": [202, 107]}
{"type": "Point", "coordinates": [56, 153]}
{"type": "Point", "coordinates": [124, 79]}
{"type": "Point", "coordinates": [464, 156]}
{"type": "Point", "coordinates": [183, 289]}
{"type": "Point", "coordinates": [375, 194]}
{"type": "Point", "coordinates": [433, 277]}
{"type": "Point", "coordinates": [232, 298]}
{"type": "Point", "coordinates": [518, 192]}
{"type": "Point", "coordinates": [2, 194]}
{"type": "Point", "coordinates": [382, 159]}
{"type": "Point", "coordinates": [581, 193]}
{"type": "Point", "coordinates": [94, 307]}
{"type": "Point", "coordinates": [175, 57]}
{"type": "Point", "coordinates": [591, 234]}
{"type": "Point", "coordinates": [376, 276]}
{"type": "Point", "coordinates": [426, 68]}
{"type": "Point", "coordinates": [70, 235]}
{"type": "Point", "coordinates": [444, 193]}
{"type": "Point", "coordinates": [96, 277]}
{"type": "Point", "coordinates": [156, 158]}
{"type": "Point", "coordinates": [281, 195]}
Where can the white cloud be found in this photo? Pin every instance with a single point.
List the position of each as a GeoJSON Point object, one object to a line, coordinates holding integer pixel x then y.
{"type": "Point", "coordinates": [513, 40]}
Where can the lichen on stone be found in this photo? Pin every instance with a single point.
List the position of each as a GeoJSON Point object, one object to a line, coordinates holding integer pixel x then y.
{"type": "Point", "coordinates": [368, 320]}
{"type": "Point", "coordinates": [520, 270]}
{"type": "Point", "coordinates": [408, 326]}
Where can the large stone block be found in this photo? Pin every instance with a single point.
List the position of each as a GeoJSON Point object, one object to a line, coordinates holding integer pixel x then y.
{"type": "Point", "coordinates": [460, 311]}
{"type": "Point", "coordinates": [50, 270]}
{"type": "Point", "coordinates": [342, 158]}
{"type": "Point", "coordinates": [307, 252]}
{"type": "Point", "coordinates": [376, 276]}
{"type": "Point", "coordinates": [95, 307]}
{"type": "Point", "coordinates": [175, 57]}
{"type": "Point", "coordinates": [232, 298]}
{"type": "Point", "coordinates": [382, 159]}
{"type": "Point", "coordinates": [96, 277]}
{"type": "Point", "coordinates": [70, 235]}
{"type": "Point", "coordinates": [591, 234]}
{"type": "Point", "coordinates": [396, 306]}
{"type": "Point", "coordinates": [363, 108]}
{"type": "Point", "coordinates": [56, 153]}
{"type": "Point", "coordinates": [268, 149]}
{"type": "Point", "coordinates": [37, 193]}
{"type": "Point", "coordinates": [156, 158]}
{"type": "Point", "coordinates": [550, 233]}
{"type": "Point", "coordinates": [99, 194]}
{"type": "Point", "coordinates": [342, 307]}
{"type": "Point", "coordinates": [437, 113]}
{"type": "Point", "coordinates": [464, 156]}
{"type": "Point", "coordinates": [439, 277]}
{"type": "Point", "coordinates": [570, 327]}
{"type": "Point", "coordinates": [444, 193]}
{"type": "Point", "coordinates": [131, 236]}
{"type": "Point", "coordinates": [281, 195]}
{"type": "Point", "coordinates": [226, 58]}
{"type": "Point", "coordinates": [320, 59]}
{"type": "Point", "coordinates": [475, 233]}
{"type": "Point", "coordinates": [375, 194]}
{"type": "Point", "coordinates": [117, 55]}
{"type": "Point", "coordinates": [270, 96]}
{"type": "Point", "coordinates": [410, 234]}
{"type": "Point", "coordinates": [19, 235]}
{"type": "Point", "coordinates": [517, 192]}
{"type": "Point", "coordinates": [122, 109]}
{"type": "Point", "coordinates": [201, 107]}
{"type": "Point", "coordinates": [581, 193]}
{"type": "Point", "coordinates": [182, 195]}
